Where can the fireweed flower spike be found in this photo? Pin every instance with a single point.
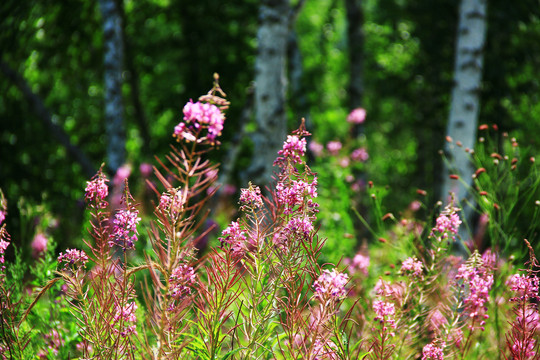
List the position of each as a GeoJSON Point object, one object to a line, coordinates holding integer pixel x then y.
{"type": "Point", "coordinates": [478, 279]}
{"type": "Point", "coordinates": [412, 267]}
{"type": "Point", "coordinates": [251, 197]}
{"type": "Point", "coordinates": [236, 238]}
{"type": "Point", "coordinates": [73, 259]}
{"type": "Point", "coordinates": [447, 224]}
{"type": "Point", "coordinates": [97, 190]}
{"type": "Point", "coordinates": [4, 243]}
{"type": "Point", "coordinates": [198, 117]}
{"type": "Point", "coordinates": [293, 149]}
{"type": "Point", "coordinates": [181, 281]}
{"type": "Point", "coordinates": [125, 320]}
{"type": "Point", "coordinates": [330, 285]}
{"type": "Point", "coordinates": [432, 351]}
{"type": "Point", "coordinates": [125, 232]}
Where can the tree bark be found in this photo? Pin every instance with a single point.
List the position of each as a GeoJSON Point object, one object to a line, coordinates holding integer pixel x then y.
{"type": "Point", "coordinates": [270, 89]}
{"type": "Point", "coordinates": [465, 102]}
{"type": "Point", "coordinates": [45, 116]}
{"type": "Point", "coordinates": [113, 61]}
{"type": "Point", "coordinates": [355, 42]}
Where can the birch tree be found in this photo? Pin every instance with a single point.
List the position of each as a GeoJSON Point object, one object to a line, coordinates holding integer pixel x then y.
{"type": "Point", "coordinates": [270, 88]}
{"type": "Point", "coordinates": [113, 61]}
{"type": "Point", "coordinates": [465, 102]}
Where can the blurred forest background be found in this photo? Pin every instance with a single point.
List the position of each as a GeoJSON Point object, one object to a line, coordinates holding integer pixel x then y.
{"type": "Point", "coordinates": [53, 133]}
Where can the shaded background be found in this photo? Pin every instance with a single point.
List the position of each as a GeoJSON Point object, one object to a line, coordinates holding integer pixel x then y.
{"type": "Point", "coordinates": [171, 50]}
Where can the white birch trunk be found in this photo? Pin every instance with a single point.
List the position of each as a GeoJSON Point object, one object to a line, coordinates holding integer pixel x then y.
{"type": "Point", "coordinates": [465, 102]}
{"type": "Point", "coordinates": [270, 89]}
{"type": "Point", "coordinates": [113, 61]}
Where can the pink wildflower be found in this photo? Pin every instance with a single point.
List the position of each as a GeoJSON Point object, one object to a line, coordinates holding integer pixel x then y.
{"type": "Point", "coordinates": [294, 194]}
{"type": "Point", "coordinates": [479, 284]}
{"type": "Point", "coordinates": [251, 197]}
{"type": "Point", "coordinates": [181, 281]}
{"type": "Point", "coordinates": [97, 190]}
{"type": "Point", "coordinates": [524, 286]}
{"type": "Point", "coordinates": [529, 317]}
{"type": "Point", "coordinates": [172, 202]}
{"type": "Point", "coordinates": [357, 116]}
{"type": "Point", "coordinates": [315, 148]}
{"type": "Point", "coordinates": [433, 352]}
{"type": "Point", "coordinates": [359, 263]}
{"type": "Point", "coordinates": [524, 349]}
{"type": "Point", "coordinates": [344, 162]}
{"type": "Point", "coordinates": [199, 116]}
{"type": "Point", "coordinates": [73, 258]}
{"type": "Point", "coordinates": [39, 245]}
{"type": "Point", "coordinates": [293, 149]}
{"type": "Point", "coordinates": [146, 170]}
{"type": "Point", "coordinates": [125, 232]}
{"type": "Point", "coordinates": [54, 342]}
{"type": "Point", "coordinates": [333, 147]}
{"type": "Point", "coordinates": [296, 228]}
{"type": "Point", "coordinates": [330, 285]}
{"type": "Point", "coordinates": [324, 350]}
{"type": "Point", "coordinates": [360, 155]}
{"type": "Point", "coordinates": [412, 267]}
{"type": "Point", "coordinates": [415, 205]}
{"type": "Point", "coordinates": [436, 321]}
{"type": "Point", "coordinates": [384, 314]}
{"type": "Point", "coordinates": [2, 216]}
{"type": "Point", "coordinates": [122, 173]}
{"type": "Point", "coordinates": [3, 246]}
{"type": "Point", "coordinates": [447, 223]}
{"type": "Point", "coordinates": [235, 238]}
{"type": "Point", "coordinates": [125, 316]}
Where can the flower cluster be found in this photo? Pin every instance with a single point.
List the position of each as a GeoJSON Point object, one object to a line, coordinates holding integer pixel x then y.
{"type": "Point", "coordinates": [172, 202]}
{"type": "Point", "coordinates": [330, 285]}
{"type": "Point", "coordinates": [360, 155]}
{"type": "Point", "coordinates": [524, 349]}
{"type": "Point", "coordinates": [199, 116]}
{"type": "Point", "coordinates": [412, 267]}
{"type": "Point", "coordinates": [73, 258]}
{"type": "Point", "coordinates": [125, 232]}
{"type": "Point", "coordinates": [385, 312]}
{"type": "Point", "coordinates": [297, 227]}
{"type": "Point", "coordinates": [357, 116]}
{"type": "Point", "coordinates": [293, 149]}
{"type": "Point", "coordinates": [524, 286]}
{"type": "Point", "coordinates": [54, 342]}
{"type": "Point", "coordinates": [97, 190]}
{"type": "Point", "coordinates": [333, 147]}
{"type": "Point", "coordinates": [447, 223]}
{"type": "Point", "coordinates": [125, 316]}
{"type": "Point", "coordinates": [359, 263]}
{"type": "Point", "coordinates": [324, 350]}
{"type": "Point", "coordinates": [251, 197]}
{"type": "Point", "coordinates": [4, 243]}
{"type": "Point", "coordinates": [235, 237]}
{"type": "Point", "coordinates": [432, 351]}
{"type": "Point", "coordinates": [181, 281]}
{"type": "Point", "coordinates": [3, 246]}
{"type": "Point", "coordinates": [295, 193]}
{"type": "Point", "coordinates": [479, 283]}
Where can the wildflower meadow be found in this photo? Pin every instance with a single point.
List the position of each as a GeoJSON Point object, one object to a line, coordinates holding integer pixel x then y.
{"type": "Point", "coordinates": [174, 275]}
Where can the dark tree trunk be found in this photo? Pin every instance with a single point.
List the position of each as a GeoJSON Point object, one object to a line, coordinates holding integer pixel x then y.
{"type": "Point", "coordinates": [113, 61]}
